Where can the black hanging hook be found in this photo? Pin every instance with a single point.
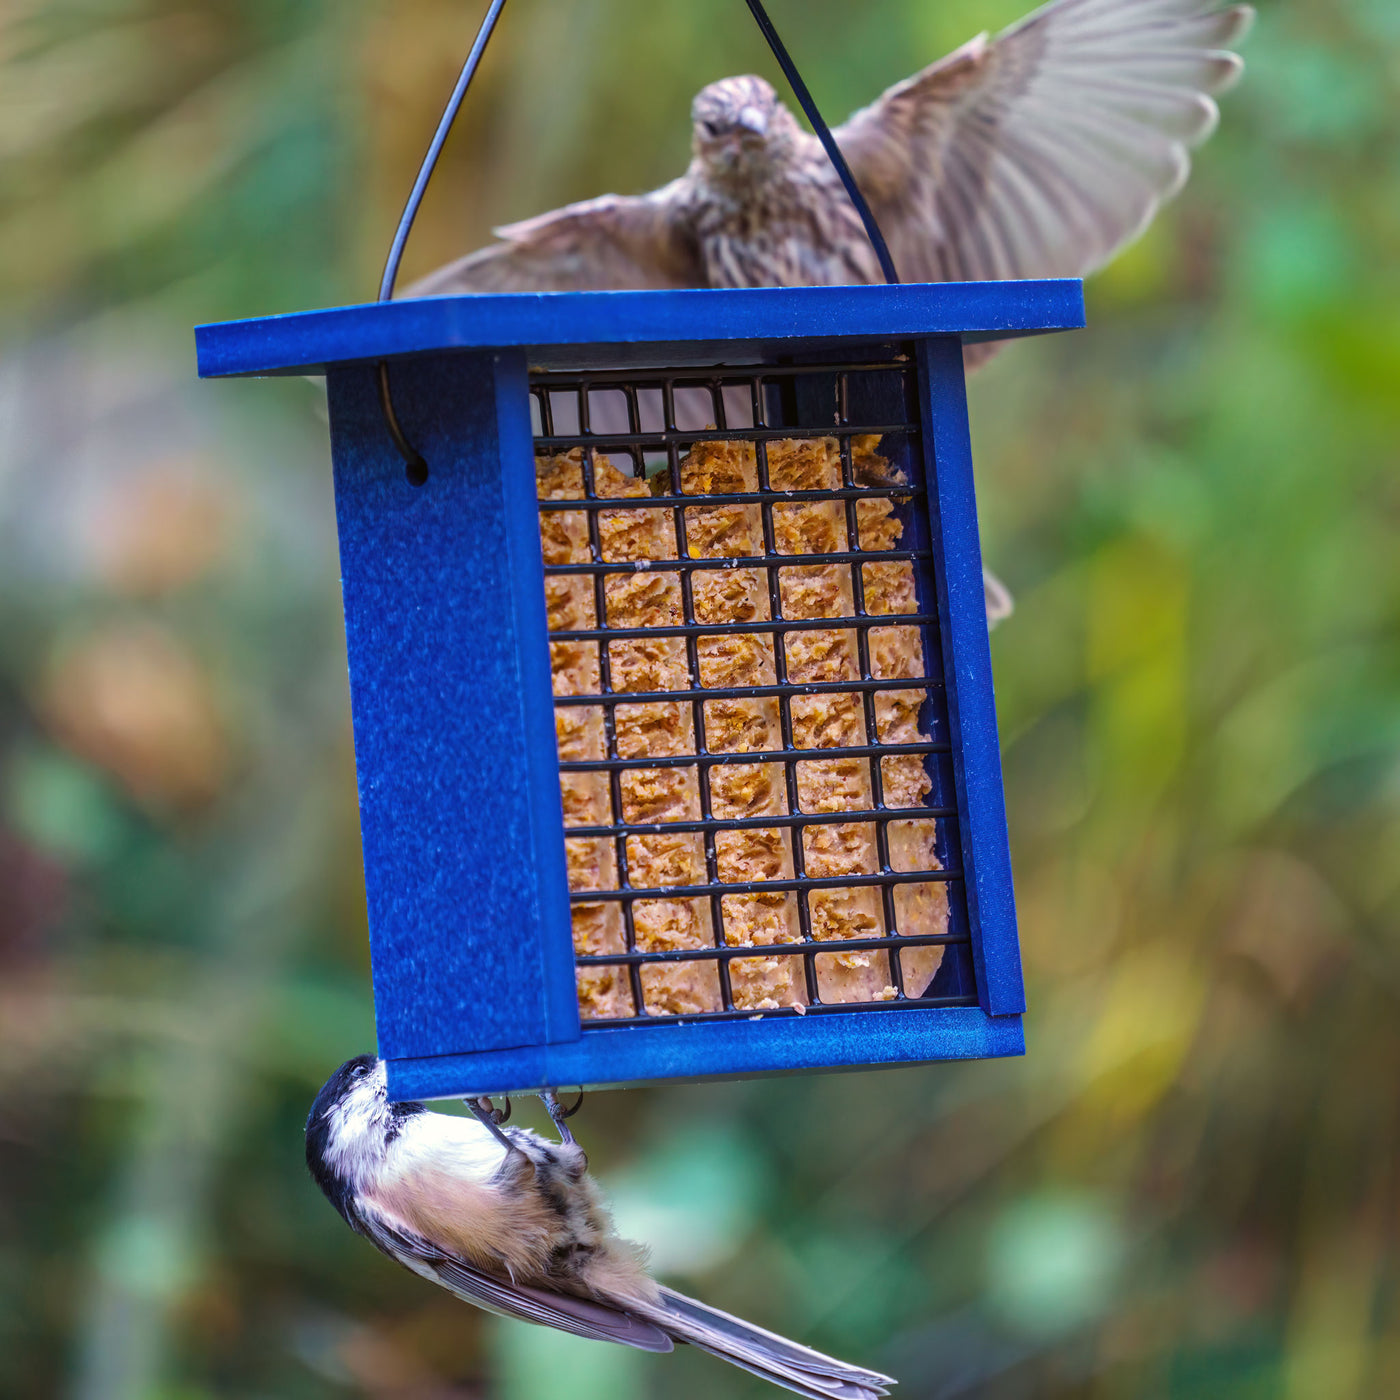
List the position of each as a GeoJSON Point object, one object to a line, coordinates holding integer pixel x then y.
{"type": "Point", "coordinates": [415, 467]}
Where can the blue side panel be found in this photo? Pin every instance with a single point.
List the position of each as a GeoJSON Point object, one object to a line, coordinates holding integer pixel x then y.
{"type": "Point", "coordinates": [967, 665]}
{"type": "Point", "coordinates": [448, 751]}
{"type": "Point", "coordinates": [541, 753]}
{"type": "Point", "coordinates": [697, 326]}
{"type": "Point", "coordinates": [718, 1050]}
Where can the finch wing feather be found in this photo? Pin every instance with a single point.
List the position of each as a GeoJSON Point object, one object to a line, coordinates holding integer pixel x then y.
{"type": "Point", "coordinates": [583, 1318]}
{"type": "Point", "coordinates": [1042, 152]}
{"type": "Point", "coordinates": [613, 242]}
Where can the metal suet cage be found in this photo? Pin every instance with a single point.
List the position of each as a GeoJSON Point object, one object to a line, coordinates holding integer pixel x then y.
{"type": "Point", "coordinates": [672, 697]}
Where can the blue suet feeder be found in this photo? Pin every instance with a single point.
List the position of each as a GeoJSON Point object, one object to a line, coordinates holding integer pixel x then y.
{"type": "Point", "coordinates": [672, 697]}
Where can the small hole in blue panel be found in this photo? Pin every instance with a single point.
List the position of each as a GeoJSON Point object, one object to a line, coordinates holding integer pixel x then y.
{"type": "Point", "coordinates": [416, 472]}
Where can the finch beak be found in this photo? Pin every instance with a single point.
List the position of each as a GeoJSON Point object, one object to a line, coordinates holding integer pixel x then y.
{"type": "Point", "coordinates": [751, 119]}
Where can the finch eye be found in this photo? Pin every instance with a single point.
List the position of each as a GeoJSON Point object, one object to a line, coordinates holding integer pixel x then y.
{"type": "Point", "coordinates": [710, 128]}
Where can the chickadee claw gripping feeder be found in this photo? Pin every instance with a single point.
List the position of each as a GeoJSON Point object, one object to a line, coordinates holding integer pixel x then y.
{"type": "Point", "coordinates": [672, 696]}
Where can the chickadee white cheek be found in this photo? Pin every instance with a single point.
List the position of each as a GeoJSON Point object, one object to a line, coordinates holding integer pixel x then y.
{"type": "Point", "coordinates": [356, 1145]}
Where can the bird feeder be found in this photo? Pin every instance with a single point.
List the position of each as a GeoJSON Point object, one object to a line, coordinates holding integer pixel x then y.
{"type": "Point", "coordinates": [672, 698]}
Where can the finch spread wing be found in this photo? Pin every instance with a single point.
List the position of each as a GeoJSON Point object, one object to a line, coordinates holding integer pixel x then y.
{"type": "Point", "coordinates": [615, 241]}
{"type": "Point", "coordinates": [1041, 152]}
{"type": "Point", "coordinates": [583, 1318]}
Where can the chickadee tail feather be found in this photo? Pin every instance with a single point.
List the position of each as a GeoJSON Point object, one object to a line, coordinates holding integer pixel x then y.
{"type": "Point", "coordinates": [766, 1354]}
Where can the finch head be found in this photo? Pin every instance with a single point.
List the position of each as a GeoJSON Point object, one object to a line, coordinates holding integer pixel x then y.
{"type": "Point", "coordinates": [741, 129]}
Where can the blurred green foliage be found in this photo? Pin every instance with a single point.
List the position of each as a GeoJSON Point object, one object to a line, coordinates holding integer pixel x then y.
{"type": "Point", "coordinates": [1189, 1186]}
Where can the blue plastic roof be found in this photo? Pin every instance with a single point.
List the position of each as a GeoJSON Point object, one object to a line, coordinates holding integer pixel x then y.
{"type": "Point", "coordinates": [626, 329]}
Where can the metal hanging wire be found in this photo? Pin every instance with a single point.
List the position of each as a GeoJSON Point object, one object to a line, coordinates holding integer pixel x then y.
{"type": "Point", "coordinates": [415, 466]}
{"type": "Point", "coordinates": [833, 151]}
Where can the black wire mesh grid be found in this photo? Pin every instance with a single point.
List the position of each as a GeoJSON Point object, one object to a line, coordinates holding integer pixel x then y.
{"type": "Point", "coordinates": [626, 439]}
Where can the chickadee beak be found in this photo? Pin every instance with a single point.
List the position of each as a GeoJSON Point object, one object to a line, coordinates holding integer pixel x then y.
{"type": "Point", "coordinates": [751, 119]}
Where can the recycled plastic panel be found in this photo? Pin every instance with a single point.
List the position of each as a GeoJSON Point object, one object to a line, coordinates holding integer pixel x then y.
{"type": "Point", "coordinates": [451, 686]}
{"type": "Point", "coordinates": [459, 799]}
{"type": "Point", "coordinates": [968, 673]}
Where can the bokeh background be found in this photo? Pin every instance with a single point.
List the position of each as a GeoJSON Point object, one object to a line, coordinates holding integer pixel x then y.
{"type": "Point", "coordinates": [1188, 1188]}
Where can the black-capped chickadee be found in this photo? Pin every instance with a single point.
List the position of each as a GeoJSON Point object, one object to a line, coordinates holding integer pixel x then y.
{"type": "Point", "coordinates": [513, 1223]}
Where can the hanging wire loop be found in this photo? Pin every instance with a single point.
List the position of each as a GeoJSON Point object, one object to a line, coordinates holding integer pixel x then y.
{"type": "Point", "coordinates": [415, 467]}
{"type": "Point", "coordinates": [425, 171]}
{"type": "Point", "coordinates": [809, 106]}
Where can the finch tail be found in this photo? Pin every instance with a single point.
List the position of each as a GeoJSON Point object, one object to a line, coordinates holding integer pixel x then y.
{"type": "Point", "coordinates": [775, 1358]}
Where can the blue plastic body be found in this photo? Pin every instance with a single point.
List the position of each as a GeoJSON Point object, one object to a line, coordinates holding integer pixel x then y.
{"type": "Point", "coordinates": [450, 682]}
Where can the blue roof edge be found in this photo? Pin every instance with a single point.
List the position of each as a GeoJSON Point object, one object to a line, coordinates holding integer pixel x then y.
{"type": "Point", "coordinates": [552, 324]}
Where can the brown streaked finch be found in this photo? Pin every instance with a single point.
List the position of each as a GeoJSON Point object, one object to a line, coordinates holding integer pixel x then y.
{"type": "Point", "coordinates": [1038, 153]}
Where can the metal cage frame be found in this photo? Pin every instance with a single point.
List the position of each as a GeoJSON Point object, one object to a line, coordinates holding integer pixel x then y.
{"type": "Point", "coordinates": [450, 665]}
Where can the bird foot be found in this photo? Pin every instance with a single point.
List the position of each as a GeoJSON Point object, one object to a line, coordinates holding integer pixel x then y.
{"type": "Point", "coordinates": [490, 1117]}
{"type": "Point", "coordinates": [558, 1114]}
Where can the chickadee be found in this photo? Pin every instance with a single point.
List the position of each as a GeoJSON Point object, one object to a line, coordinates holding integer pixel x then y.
{"type": "Point", "coordinates": [513, 1223]}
